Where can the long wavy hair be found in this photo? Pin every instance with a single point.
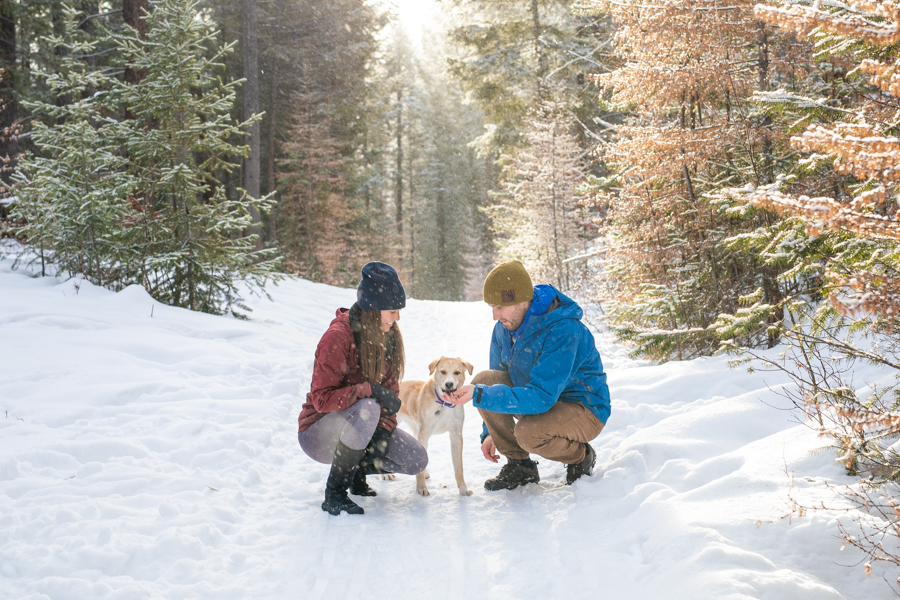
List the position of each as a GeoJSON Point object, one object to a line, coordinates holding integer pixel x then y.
{"type": "Point", "coordinates": [375, 347]}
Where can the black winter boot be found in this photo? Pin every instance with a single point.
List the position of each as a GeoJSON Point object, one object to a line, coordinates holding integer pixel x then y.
{"type": "Point", "coordinates": [375, 452]}
{"type": "Point", "coordinates": [514, 474]}
{"type": "Point", "coordinates": [343, 468]}
{"type": "Point", "coordinates": [359, 487]}
{"type": "Point", "coordinates": [585, 467]}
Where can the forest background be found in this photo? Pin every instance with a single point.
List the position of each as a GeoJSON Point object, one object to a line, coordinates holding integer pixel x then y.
{"type": "Point", "coordinates": [706, 175]}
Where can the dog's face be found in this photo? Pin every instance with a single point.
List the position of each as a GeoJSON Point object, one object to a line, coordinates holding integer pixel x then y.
{"type": "Point", "coordinates": [449, 373]}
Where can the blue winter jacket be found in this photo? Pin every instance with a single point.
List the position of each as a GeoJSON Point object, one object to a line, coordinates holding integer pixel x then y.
{"type": "Point", "coordinates": [551, 357]}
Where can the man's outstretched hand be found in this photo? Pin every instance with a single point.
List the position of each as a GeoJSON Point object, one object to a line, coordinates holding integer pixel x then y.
{"type": "Point", "coordinates": [489, 450]}
{"type": "Point", "coordinates": [463, 394]}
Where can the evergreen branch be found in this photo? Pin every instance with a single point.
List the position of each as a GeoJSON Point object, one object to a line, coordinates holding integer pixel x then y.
{"type": "Point", "coordinates": [98, 16]}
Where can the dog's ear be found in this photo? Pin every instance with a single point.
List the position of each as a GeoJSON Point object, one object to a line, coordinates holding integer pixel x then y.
{"type": "Point", "coordinates": [468, 366]}
{"type": "Point", "coordinates": [433, 365]}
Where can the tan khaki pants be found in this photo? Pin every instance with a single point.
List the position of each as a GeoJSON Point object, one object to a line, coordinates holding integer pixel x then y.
{"type": "Point", "coordinates": [558, 434]}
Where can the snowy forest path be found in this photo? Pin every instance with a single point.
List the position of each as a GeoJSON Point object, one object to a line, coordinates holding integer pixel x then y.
{"type": "Point", "coordinates": [151, 452]}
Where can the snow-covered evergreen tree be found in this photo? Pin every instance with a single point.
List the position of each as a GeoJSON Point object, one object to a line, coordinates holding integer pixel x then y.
{"type": "Point", "coordinates": [126, 186]}
{"type": "Point", "coordinates": [73, 196]}
{"type": "Point", "coordinates": [538, 219]}
{"type": "Point", "coordinates": [179, 144]}
{"type": "Point", "coordinates": [672, 266]}
{"type": "Point", "coordinates": [843, 194]}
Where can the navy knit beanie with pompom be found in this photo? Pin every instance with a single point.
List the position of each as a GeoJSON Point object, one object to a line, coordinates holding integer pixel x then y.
{"type": "Point", "coordinates": [380, 288]}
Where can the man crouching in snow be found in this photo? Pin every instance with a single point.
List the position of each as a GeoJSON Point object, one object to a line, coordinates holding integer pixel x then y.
{"type": "Point", "coordinates": [546, 391]}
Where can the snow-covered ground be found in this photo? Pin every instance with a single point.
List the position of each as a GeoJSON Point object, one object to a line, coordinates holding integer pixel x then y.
{"type": "Point", "coordinates": [150, 452]}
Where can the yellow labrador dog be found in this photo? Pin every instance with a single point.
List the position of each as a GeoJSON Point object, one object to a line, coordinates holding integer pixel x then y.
{"type": "Point", "coordinates": [426, 413]}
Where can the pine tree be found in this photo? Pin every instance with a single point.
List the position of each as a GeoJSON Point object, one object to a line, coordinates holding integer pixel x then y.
{"type": "Point", "coordinates": [194, 252]}
{"type": "Point", "coordinates": [671, 267]}
{"type": "Point", "coordinates": [510, 52]}
{"type": "Point", "coordinates": [73, 199]}
{"type": "Point", "coordinates": [538, 219]}
{"type": "Point", "coordinates": [137, 199]}
{"type": "Point", "coordinates": [511, 57]}
{"type": "Point", "coordinates": [865, 148]}
{"type": "Point", "coordinates": [321, 225]}
{"type": "Point", "coordinates": [850, 214]}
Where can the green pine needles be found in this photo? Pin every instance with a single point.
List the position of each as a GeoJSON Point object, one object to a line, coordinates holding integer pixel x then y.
{"type": "Point", "coordinates": [125, 186]}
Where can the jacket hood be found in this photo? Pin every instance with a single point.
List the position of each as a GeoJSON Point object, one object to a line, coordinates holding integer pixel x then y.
{"type": "Point", "coordinates": [542, 310]}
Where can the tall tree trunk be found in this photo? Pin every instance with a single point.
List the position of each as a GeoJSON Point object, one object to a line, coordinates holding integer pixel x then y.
{"type": "Point", "coordinates": [412, 251]}
{"type": "Point", "coordinates": [58, 23]}
{"type": "Point", "coordinates": [9, 109]}
{"type": "Point", "coordinates": [410, 184]}
{"type": "Point", "coordinates": [763, 68]}
{"type": "Point", "coordinates": [771, 286]}
{"type": "Point", "coordinates": [538, 51]}
{"type": "Point", "coordinates": [398, 187]}
{"type": "Point", "coordinates": [490, 184]}
{"type": "Point", "coordinates": [273, 128]}
{"type": "Point", "coordinates": [689, 184]}
{"type": "Point", "coordinates": [89, 10]}
{"type": "Point", "coordinates": [250, 55]}
{"type": "Point", "coordinates": [134, 13]}
{"type": "Point", "coordinates": [763, 60]}
{"type": "Point", "coordinates": [536, 19]}
{"type": "Point", "coordinates": [442, 237]}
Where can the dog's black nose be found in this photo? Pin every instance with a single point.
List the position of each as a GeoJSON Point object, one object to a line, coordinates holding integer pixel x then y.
{"type": "Point", "coordinates": [449, 385]}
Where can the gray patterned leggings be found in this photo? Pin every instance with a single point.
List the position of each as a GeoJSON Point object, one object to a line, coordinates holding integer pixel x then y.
{"type": "Point", "coordinates": [354, 427]}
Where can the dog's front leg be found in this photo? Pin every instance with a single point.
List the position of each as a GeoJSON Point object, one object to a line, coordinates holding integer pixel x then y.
{"type": "Point", "coordinates": [456, 452]}
{"type": "Point", "coordinates": [420, 477]}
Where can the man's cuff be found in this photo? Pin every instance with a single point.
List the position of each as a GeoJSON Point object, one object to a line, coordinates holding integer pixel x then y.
{"type": "Point", "coordinates": [476, 395]}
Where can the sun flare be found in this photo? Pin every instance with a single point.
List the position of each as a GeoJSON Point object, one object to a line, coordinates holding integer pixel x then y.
{"type": "Point", "coordinates": [414, 15]}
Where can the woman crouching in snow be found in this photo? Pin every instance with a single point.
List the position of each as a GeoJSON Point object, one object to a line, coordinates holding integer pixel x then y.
{"type": "Point", "coordinates": [349, 418]}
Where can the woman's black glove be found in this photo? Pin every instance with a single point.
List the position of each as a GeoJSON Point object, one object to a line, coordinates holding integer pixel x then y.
{"type": "Point", "coordinates": [386, 398]}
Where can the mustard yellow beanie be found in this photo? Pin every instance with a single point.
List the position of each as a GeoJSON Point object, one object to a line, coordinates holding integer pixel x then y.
{"type": "Point", "coordinates": [507, 284]}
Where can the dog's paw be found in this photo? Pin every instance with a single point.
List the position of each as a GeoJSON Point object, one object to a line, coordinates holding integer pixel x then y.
{"type": "Point", "coordinates": [423, 491]}
{"type": "Point", "coordinates": [464, 491]}
{"type": "Point", "coordinates": [388, 476]}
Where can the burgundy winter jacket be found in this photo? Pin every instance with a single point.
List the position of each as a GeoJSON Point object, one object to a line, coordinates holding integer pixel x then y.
{"type": "Point", "coordinates": [337, 379]}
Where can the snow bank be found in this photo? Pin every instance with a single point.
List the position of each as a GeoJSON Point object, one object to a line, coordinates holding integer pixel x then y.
{"type": "Point", "coordinates": [150, 452]}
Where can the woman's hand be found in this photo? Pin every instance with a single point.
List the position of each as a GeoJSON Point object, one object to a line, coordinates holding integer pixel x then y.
{"type": "Point", "coordinates": [386, 398]}
{"type": "Point", "coordinates": [489, 450]}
